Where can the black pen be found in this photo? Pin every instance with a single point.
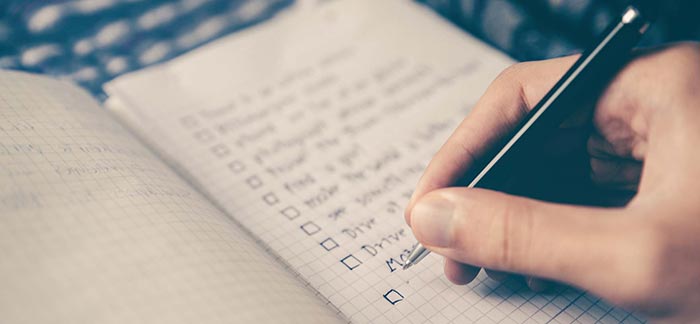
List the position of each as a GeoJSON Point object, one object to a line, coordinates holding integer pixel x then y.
{"type": "Point", "coordinates": [586, 79]}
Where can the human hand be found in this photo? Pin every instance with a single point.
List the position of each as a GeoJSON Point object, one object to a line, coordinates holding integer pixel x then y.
{"type": "Point", "coordinates": [645, 255]}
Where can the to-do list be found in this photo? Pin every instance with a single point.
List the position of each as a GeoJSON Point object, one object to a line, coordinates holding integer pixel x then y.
{"type": "Point", "coordinates": [312, 131]}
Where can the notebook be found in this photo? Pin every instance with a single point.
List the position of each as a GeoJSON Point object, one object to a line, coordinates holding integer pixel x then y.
{"type": "Point", "coordinates": [261, 178]}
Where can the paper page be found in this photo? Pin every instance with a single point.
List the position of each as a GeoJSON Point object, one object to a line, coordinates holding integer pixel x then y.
{"type": "Point", "coordinates": [94, 229]}
{"type": "Point", "coordinates": [312, 131]}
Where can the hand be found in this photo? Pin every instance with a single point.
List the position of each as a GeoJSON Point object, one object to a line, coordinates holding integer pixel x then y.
{"type": "Point", "coordinates": [643, 138]}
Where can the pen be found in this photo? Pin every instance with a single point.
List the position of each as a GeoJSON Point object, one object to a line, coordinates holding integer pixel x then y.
{"type": "Point", "coordinates": [581, 84]}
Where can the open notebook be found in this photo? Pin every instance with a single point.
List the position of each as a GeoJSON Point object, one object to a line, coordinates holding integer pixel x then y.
{"type": "Point", "coordinates": [261, 178]}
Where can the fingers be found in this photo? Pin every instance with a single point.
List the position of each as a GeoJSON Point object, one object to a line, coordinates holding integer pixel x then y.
{"type": "Point", "coordinates": [511, 234]}
{"type": "Point", "coordinates": [497, 275]}
{"type": "Point", "coordinates": [672, 126]}
{"type": "Point", "coordinates": [616, 173]}
{"type": "Point", "coordinates": [645, 106]}
{"type": "Point", "coordinates": [460, 273]}
{"type": "Point", "coordinates": [503, 105]}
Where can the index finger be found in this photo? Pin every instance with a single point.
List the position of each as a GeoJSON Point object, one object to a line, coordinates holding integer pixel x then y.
{"type": "Point", "coordinates": [507, 100]}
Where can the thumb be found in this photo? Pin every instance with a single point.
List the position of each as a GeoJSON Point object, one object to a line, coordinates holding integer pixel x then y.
{"type": "Point", "coordinates": [519, 235]}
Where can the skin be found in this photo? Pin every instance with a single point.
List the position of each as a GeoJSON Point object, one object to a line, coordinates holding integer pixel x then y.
{"type": "Point", "coordinates": [639, 246]}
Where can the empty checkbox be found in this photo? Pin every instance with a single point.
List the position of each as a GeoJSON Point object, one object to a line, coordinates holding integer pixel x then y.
{"type": "Point", "coordinates": [351, 261]}
{"type": "Point", "coordinates": [271, 199]}
{"type": "Point", "coordinates": [236, 166]}
{"type": "Point", "coordinates": [220, 150]}
{"type": "Point", "coordinates": [329, 244]}
{"type": "Point", "coordinates": [310, 228]}
{"type": "Point", "coordinates": [254, 182]}
{"type": "Point", "coordinates": [290, 212]}
{"type": "Point", "coordinates": [204, 136]}
{"type": "Point", "coordinates": [393, 296]}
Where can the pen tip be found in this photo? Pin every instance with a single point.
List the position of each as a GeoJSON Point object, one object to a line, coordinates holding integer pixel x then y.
{"type": "Point", "coordinates": [407, 265]}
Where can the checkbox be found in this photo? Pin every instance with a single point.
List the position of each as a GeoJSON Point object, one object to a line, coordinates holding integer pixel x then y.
{"type": "Point", "coordinates": [329, 244]}
{"type": "Point", "coordinates": [271, 199]}
{"type": "Point", "coordinates": [393, 296]}
{"type": "Point", "coordinates": [204, 136]}
{"type": "Point", "coordinates": [310, 228]}
{"type": "Point", "coordinates": [254, 182]}
{"type": "Point", "coordinates": [290, 212]}
{"type": "Point", "coordinates": [189, 122]}
{"type": "Point", "coordinates": [351, 262]}
{"type": "Point", "coordinates": [236, 166]}
{"type": "Point", "coordinates": [220, 150]}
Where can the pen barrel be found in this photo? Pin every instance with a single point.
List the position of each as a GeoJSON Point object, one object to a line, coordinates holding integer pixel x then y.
{"type": "Point", "coordinates": [579, 88]}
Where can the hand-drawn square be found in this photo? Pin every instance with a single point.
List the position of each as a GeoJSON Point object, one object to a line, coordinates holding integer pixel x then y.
{"type": "Point", "coordinates": [204, 136]}
{"type": "Point", "coordinates": [220, 150]}
{"type": "Point", "coordinates": [310, 228]}
{"type": "Point", "coordinates": [271, 199]}
{"type": "Point", "coordinates": [329, 244]}
{"type": "Point", "coordinates": [290, 212]}
{"type": "Point", "coordinates": [254, 182]}
{"type": "Point", "coordinates": [393, 296]}
{"type": "Point", "coordinates": [236, 166]}
{"type": "Point", "coordinates": [351, 261]}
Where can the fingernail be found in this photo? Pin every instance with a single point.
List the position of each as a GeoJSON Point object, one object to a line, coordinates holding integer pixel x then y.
{"type": "Point", "coordinates": [430, 221]}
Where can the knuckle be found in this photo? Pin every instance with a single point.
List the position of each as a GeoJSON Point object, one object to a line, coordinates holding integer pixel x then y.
{"type": "Point", "coordinates": [511, 74]}
{"type": "Point", "coordinates": [682, 62]}
{"type": "Point", "coordinates": [510, 235]}
{"type": "Point", "coordinates": [469, 156]}
{"type": "Point", "coordinates": [501, 235]}
{"type": "Point", "coordinates": [513, 80]}
{"type": "Point", "coordinates": [520, 233]}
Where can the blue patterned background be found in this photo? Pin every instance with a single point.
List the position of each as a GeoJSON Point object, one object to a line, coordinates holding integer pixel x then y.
{"type": "Point", "coordinates": [92, 41]}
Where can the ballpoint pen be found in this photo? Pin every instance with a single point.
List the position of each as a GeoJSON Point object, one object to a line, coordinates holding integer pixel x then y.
{"type": "Point", "coordinates": [581, 85]}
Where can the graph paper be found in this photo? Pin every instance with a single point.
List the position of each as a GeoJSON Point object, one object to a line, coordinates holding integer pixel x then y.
{"type": "Point", "coordinates": [311, 132]}
{"type": "Point", "coordinates": [95, 229]}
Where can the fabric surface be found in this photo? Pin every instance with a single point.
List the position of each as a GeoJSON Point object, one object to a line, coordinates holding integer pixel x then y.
{"type": "Point", "coordinates": [93, 41]}
{"type": "Point", "coordinates": [539, 29]}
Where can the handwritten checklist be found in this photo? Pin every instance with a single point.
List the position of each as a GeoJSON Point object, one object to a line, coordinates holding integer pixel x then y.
{"type": "Point", "coordinates": [331, 139]}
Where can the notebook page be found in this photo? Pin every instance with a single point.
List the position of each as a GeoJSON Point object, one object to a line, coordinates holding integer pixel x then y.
{"type": "Point", "coordinates": [313, 129]}
{"type": "Point", "coordinates": [94, 229]}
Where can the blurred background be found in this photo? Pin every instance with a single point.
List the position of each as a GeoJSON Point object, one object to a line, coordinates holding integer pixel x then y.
{"type": "Point", "coordinates": [93, 41]}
